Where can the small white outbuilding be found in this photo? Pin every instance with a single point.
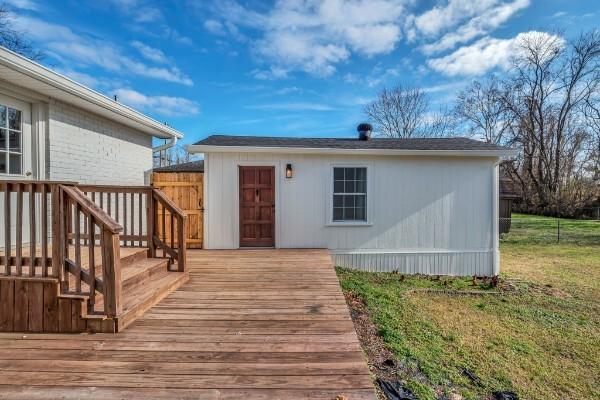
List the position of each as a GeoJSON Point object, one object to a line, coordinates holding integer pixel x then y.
{"type": "Point", "coordinates": [427, 206]}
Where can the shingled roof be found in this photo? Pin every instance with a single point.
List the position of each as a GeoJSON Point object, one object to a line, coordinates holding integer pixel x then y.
{"type": "Point", "coordinates": [192, 166]}
{"type": "Point", "coordinates": [447, 144]}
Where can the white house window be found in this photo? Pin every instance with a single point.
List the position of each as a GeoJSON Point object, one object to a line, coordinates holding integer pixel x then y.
{"type": "Point", "coordinates": [349, 194]}
{"type": "Point", "coordinates": [11, 146]}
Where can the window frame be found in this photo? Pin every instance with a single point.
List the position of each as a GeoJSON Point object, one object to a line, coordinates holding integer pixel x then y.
{"type": "Point", "coordinates": [368, 196]}
{"type": "Point", "coordinates": [6, 151]}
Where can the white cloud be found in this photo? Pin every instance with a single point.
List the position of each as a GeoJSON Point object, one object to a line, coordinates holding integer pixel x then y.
{"type": "Point", "coordinates": [291, 107]}
{"type": "Point", "coordinates": [150, 53]}
{"type": "Point", "coordinates": [161, 105]}
{"type": "Point", "coordinates": [214, 27]}
{"type": "Point", "coordinates": [454, 22]}
{"type": "Point", "coordinates": [138, 10]}
{"type": "Point", "coordinates": [447, 15]}
{"type": "Point", "coordinates": [489, 53]}
{"type": "Point", "coordinates": [78, 51]}
{"type": "Point", "coordinates": [272, 73]}
{"type": "Point", "coordinates": [147, 14]}
{"type": "Point", "coordinates": [478, 25]}
{"type": "Point", "coordinates": [80, 77]}
{"type": "Point", "coordinates": [23, 4]}
{"type": "Point", "coordinates": [314, 36]}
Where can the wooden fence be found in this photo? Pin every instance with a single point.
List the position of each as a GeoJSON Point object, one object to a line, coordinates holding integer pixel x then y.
{"type": "Point", "coordinates": [185, 189]}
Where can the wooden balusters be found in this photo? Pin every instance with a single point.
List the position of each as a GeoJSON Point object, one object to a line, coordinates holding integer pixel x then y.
{"type": "Point", "coordinates": [72, 219]}
{"type": "Point", "coordinates": [175, 251]}
{"type": "Point", "coordinates": [19, 230]}
{"type": "Point", "coordinates": [7, 242]}
{"type": "Point", "coordinates": [44, 230]}
{"type": "Point", "coordinates": [26, 246]}
{"type": "Point", "coordinates": [77, 243]}
{"type": "Point", "coordinates": [57, 256]}
{"type": "Point", "coordinates": [32, 229]}
{"type": "Point", "coordinates": [94, 219]}
{"type": "Point", "coordinates": [91, 227]}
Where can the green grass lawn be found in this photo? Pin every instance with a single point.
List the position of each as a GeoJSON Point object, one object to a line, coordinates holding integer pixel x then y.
{"type": "Point", "coordinates": [537, 334]}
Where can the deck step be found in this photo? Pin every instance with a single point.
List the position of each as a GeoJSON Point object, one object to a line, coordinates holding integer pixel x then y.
{"type": "Point", "coordinates": [132, 255]}
{"type": "Point", "coordinates": [137, 301]}
{"type": "Point", "coordinates": [138, 273]}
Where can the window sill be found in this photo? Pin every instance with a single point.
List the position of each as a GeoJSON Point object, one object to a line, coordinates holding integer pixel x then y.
{"type": "Point", "coordinates": [349, 224]}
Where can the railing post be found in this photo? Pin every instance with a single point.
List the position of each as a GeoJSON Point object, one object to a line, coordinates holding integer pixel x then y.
{"type": "Point", "coordinates": [182, 250]}
{"type": "Point", "coordinates": [56, 240]}
{"type": "Point", "coordinates": [150, 212]}
{"type": "Point", "coordinates": [111, 273]}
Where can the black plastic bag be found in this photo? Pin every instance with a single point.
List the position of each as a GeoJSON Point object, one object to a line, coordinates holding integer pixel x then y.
{"type": "Point", "coordinates": [505, 395]}
{"type": "Point", "coordinates": [395, 390]}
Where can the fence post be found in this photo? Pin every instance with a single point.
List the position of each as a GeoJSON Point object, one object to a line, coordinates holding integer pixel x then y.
{"type": "Point", "coordinates": [558, 229]}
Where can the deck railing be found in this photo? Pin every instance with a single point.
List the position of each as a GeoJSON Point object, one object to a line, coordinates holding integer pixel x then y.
{"type": "Point", "coordinates": [75, 232]}
{"type": "Point", "coordinates": [166, 220]}
{"type": "Point", "coordinates": [30, 216]}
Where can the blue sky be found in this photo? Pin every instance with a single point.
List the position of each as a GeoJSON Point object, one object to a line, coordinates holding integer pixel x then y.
{"type": "Point", "coordinates": [284, 68]}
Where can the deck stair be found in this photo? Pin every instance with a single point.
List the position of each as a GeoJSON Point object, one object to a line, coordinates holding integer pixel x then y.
{"type": "Point", "coordinates": [145, 282]}
{"type": "Point", "coordinates": [86, 258]}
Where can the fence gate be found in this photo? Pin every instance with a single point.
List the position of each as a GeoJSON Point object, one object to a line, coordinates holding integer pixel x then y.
{"type": "Point", "coordinates": [186, 190]}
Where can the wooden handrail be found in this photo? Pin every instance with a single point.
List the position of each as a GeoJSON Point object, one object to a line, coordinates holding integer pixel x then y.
{"type": "Point", "coordinates": [74, 204]}
{"type": "Point", "coordinates": [159, 194]}
{"type": "Point", "coordinates": [92, 208]}
{"type": "Point", "coordinates": [176, 213]}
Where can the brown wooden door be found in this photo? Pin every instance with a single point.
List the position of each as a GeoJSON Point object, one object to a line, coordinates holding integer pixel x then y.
{"type": "Point", "coordinates": [257, 206]}
{"type": "Point", "coordinates": [186, 190]}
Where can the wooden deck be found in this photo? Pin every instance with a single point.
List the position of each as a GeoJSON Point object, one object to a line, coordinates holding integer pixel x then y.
{"type": "Point", "coordinates": [251, 324]}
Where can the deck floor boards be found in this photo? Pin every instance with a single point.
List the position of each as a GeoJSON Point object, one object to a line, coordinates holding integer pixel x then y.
{"type": "Point", "coordinates": [252, 324]}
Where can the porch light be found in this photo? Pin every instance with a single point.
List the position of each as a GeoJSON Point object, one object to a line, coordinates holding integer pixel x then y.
{"type": "Point", "coordinates": [288, 171]}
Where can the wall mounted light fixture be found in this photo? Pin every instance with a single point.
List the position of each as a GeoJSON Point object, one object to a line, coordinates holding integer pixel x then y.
{"type": "Point", "coordinates": [288, 171]}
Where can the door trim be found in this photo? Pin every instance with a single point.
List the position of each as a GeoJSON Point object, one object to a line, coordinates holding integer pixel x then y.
{"type": "Point", "coordinates": [274, 216]}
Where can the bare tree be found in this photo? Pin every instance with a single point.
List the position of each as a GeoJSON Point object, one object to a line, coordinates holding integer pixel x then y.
{"type": "Point", "coordinates": [177, 154]}
{"type": "Point", "coordinates": [481, 108]}
{"type": "Point", "coordinates": [441, 123]}
{"type": "Point", "coordinates": [15, 40]}
{"type": "Point", "coordinates": [545, 95]}
{"type": "Point", "coordinates": [399, 112]}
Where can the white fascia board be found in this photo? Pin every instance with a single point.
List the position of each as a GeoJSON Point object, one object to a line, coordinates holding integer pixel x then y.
{"type": "Point", "coordinates": [378, 152]}
{"type": "Point", "coordinates": [84, 97]}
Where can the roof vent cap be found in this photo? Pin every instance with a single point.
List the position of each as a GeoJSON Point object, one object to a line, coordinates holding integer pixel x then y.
{"type": "Point", "coordinates": [364, 131]}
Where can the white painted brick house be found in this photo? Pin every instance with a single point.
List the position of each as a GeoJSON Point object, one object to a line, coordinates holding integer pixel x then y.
{"type": "Point", "coordinates": [52, 128]}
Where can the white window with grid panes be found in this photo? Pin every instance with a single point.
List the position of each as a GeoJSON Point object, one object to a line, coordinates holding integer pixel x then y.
{"type": "Point", "coordinates": [349, 194]}
{"type": "Point", "coordinates": [11, 141]}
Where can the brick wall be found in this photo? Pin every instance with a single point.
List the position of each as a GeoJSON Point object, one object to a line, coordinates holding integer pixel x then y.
{"type": "Point", "coordinates": [87, 148]}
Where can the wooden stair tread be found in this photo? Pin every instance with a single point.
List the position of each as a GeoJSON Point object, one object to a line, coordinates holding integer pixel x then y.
{"type": "Point", "coordinates": [140, 298]}
{"type": "Point", "coordinates": [139, 271]}
{"type": "Point", "coordinates": [136, 302]}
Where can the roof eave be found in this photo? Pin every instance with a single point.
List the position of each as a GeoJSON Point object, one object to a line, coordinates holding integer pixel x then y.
{"type": "Point", "coordinates": [88, 98]}
{"type": "Point", "coordinates": [383, 152]}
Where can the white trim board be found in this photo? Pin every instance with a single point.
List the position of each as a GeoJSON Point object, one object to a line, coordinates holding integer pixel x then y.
{"type": "Point", "coordinates": [381, 152]}
{"type": "Point", "coordinates": [32, 76]}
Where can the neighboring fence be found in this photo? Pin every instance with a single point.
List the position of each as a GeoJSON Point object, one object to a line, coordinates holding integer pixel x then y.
{"type": "Point", "coordinates": [185, 189]}
{"type": "Point", "coordinates": [550, 230]}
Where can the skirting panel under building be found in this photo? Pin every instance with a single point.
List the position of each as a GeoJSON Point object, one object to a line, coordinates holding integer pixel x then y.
{"type": "Point", "coordinates": [469, 263]}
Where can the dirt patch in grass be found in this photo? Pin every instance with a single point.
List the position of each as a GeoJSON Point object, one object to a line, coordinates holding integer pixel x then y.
{"type": "Point", "coordinates": [383, 364]}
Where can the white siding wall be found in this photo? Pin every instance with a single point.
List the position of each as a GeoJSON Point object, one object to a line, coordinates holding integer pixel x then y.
{"type": "Point", "coordinates": [427, 215]}
{"type": "Point", "coordinates": [90, 149]}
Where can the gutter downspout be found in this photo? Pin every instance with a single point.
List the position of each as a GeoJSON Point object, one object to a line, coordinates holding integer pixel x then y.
{"type": "Point", "coordinates": [165, 146]}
